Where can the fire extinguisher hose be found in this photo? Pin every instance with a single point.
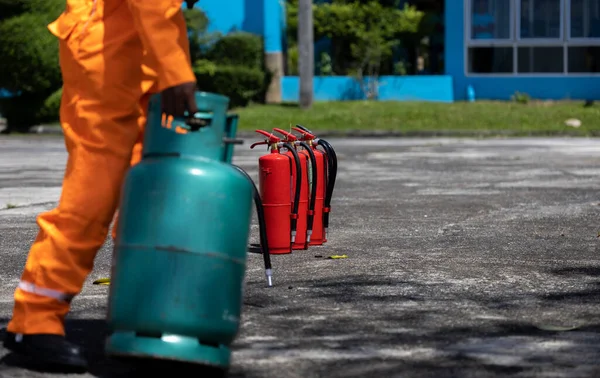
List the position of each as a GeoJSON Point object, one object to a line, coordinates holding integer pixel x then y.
{"type": "Point", "coordinates": [332, 162]}
{"type": "Point", "coordinates": [262, 226]}
{"type": "Point", "coordinates": [313, 197]}
{"type": "Point", "coordinates": [298, 187]}
{"type": "Point", "coordinates": [332, 173]}
{"type": "Point", "coordinates": [332, 165]}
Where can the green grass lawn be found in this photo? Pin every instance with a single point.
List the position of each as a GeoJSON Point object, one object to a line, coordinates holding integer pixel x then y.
{"type": "Point", "coordinates": [414, 118]}
{"type": "Point", "coordinates": [482, 118]}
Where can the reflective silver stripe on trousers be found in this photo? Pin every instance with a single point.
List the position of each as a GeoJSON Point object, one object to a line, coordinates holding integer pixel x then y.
{"type": "Point", "coordinates": [50, 293]}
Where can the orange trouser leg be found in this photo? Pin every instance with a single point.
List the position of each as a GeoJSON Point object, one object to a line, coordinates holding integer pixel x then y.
{"type": "Point", "coordinates": [101, 66]}
{"type": "Point", "coordinates": [148, 88]}
{"type": "Point", "coordinates": [136, 154]}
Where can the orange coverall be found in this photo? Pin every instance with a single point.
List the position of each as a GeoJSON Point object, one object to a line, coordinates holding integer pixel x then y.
{"type": "Point", "coordinates": [113, 54]}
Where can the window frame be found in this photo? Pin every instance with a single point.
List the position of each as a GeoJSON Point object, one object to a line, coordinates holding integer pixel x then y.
{"type": "Point", "coordinates": [545, 74]}
{"type": "Point", "coordinates": [486, 42]}
{"type": "Point", "coordinates": [577, 41]}
{"type": "Point", "coordinates": [542, 40]}
{"type": "Point", "coordinates": [515, 41]}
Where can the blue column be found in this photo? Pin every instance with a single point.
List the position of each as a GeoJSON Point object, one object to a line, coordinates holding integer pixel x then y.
{"type": "Point", "coordinates": [454, 54]}
{"type": "Point", "coordinates": [273, 14]}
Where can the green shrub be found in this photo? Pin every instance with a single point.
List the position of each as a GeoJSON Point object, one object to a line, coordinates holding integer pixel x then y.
{"type": "Point", "coordinates": [240, 48]}
{"type": "Point", "coordinates": [241, 84]}
{"type": "Point", "coordinates": [50, 110]}
{"type": "Point", "coordinates": [520, 97]}
{"type": "Point", "coordinates": [29, 62]}
{"type": "Point", "coordinates": [50, 8]}
{"type": "Point", "coordinates": [10, 8]}
{"type": "Point", "coordinates": [205, 67]}
{"type": "Point", "coordinates": [28, 55]}
{"type": "Point", "coordinates": [30, 109]}
{"type": "Point", "coordinates": [233, 65]}
{"type": "Point", "coordinates": [22, 112]}
{"type": "Point", "coordinates": [292, 60]}
{"type": "Point", "coordinates": [325, 66]}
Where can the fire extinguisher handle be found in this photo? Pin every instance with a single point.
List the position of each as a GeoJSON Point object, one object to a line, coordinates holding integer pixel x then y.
{"type": "Point", "coordinates": [271, 138]}
{"type": "Point", "coordinates": [289, 136]}
{"type": "Point", "coordinates": [303, 128]}
{"type": "Point", "coordinates": [304, 133]}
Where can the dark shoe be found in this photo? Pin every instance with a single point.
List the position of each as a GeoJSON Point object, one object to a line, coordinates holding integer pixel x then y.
{"type": "Point", "coordinates": [46, 349]}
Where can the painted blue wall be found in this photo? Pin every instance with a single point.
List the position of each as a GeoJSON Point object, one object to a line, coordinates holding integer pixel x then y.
{"type": "Point", "coordinates": [397, 88]}
{"type": "Point", "coordinates": [501, 88]}
{"type": "Point", "coordinates": [227, 16]}
{"type": "Point", "coordinates": [226, 19]}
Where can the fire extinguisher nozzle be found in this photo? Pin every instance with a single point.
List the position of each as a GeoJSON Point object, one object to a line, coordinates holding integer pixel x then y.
{"type": "Point", "coordinates": [269, 275]}
{"type": "Point", "coordinates": [293, 236]}
{"type": "Point", "coordinates": [308, 234]}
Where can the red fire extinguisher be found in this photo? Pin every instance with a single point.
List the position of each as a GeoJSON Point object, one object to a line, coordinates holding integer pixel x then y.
{"type": "Point", "coordinates": [331, 176]}
{"type": "Point", "coordinates": [275, 186]}
{"type": "Point", "coordinates": [318, 229]}
{"type": "Point", "coordinates": [306, 209]}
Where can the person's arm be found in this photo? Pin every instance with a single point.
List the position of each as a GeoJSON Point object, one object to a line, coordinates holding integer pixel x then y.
{"type": "Point", "coordinates": [162, 28]}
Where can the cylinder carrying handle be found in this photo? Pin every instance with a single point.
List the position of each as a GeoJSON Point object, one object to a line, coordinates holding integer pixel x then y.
{"type": "Point", "coordinates": [198, 120]}
{"type": "Point", "coordinates": [233, 141]}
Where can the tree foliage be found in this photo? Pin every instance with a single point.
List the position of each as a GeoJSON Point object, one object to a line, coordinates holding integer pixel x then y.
{"type": "Point", "coordinates": [49, 8]}
{"type": "Point", "coordinates": [237, 48]}
{"type": "Point", "coordinates": [29, 63]}
{"type": "Point", "coordinates": [197, 24]}
{"type": "Point", "coordinates": [28, 55]}
{"type": "Point", "coordinates": [362, 31]}
{"type": "Point", "coordinates": [28, 51]}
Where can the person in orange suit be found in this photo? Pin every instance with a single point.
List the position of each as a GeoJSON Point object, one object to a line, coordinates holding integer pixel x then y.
{"type": "Point", "coordinates": [113, 55]}
{"type": "Point", "coordinates": [149, 87]}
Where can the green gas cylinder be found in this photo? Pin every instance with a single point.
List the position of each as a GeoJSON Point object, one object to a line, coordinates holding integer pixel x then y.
{"type": "Point", "coordinates": [180, 255]}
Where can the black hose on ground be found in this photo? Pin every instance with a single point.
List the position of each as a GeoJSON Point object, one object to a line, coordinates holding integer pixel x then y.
{"type": "Point", "coordinates": [264, 242]}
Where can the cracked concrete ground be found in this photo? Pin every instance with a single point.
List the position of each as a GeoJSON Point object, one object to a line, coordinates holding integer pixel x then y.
{"type": "Point", "coordinates": [466, 258]}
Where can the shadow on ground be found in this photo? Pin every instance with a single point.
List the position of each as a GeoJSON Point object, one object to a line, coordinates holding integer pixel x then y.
{"type": "Point", "coordinates": [428, 329]}
{"type": "Point", "coordinates": [591, 295]}
{"type": "Point", "coordinates": [405, 328]}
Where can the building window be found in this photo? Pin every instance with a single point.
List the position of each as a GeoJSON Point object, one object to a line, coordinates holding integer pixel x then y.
{"type": "Point", "coordinates": [491, 60]}
{"type": "Point", "coordinates": [540, 59]}
{"type": "Point", "coordinates": [529, 37]}
{"type": "Point", "coordinates": [584, 19]}
{"type": "Point", "coordinates": [490, 20]}
{"type": "Point", "coordinates": [540, 19]}
{"type": "Point", "coordinates": [584, 59]}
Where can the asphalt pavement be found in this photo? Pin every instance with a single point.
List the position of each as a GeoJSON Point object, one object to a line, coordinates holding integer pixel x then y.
{"type": "Point", "coordinates": [466, 258]}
